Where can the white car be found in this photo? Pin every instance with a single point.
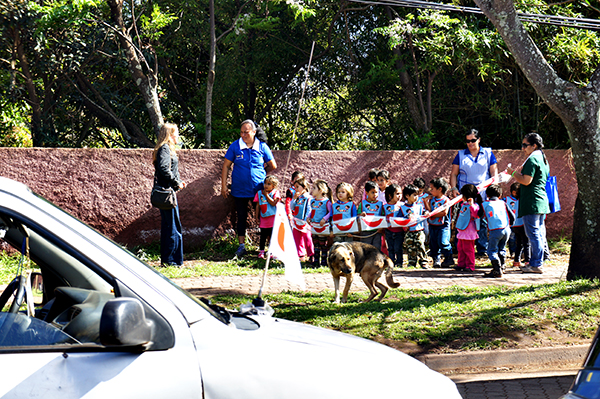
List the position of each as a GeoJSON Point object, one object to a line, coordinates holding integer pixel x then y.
{"type": "Point", "coordinates": [110, 326]}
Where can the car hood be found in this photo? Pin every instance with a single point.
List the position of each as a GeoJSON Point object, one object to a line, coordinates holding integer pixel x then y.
{"type": "Point", "coordinates": [284, 359]}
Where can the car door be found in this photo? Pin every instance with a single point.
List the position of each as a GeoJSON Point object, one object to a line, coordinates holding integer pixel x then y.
{"type": "Point", "coordinates": [33, 366]}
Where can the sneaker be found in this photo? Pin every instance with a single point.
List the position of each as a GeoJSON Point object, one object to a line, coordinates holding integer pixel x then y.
{"type": "Point", "coordinates": [261, 254]}
{"type": "Point", "coordinates": [530, 269]}
{"type": "Point", "coordinates": [241, 251]}
{"type": "Point", "coordinates": [424, 266]}
{"type": "Point", "coordinates": [448, 262]}
{"type": "Point", "coordinates": [493, 274]}
{"type": "Point", "coordinates": [459, 268]}
{"type": "Point", "coordinates": [516, 264]}
{"type": "Point", "coordinates": [437, 262]}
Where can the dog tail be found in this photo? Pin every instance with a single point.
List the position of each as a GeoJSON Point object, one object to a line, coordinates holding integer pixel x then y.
{"type": "Point", "coordinates": [389, 279]}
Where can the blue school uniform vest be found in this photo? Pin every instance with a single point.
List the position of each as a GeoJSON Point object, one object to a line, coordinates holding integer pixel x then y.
{"type": "Point", "coordinates": [318, 209]}
{"type": "Point", "coordinates": [342, 210]}
{"type": "Point", "coordinates": [266, 209]}
{"type": "Point", "coordinates": [372, 208]}
{"type": "Point", "coordinates": [415, 209]}
{"type": "Point", "coordinates": [513, 204]}
{"type": "Point", "coordinates": [436, 203]}
{"type": "Point", "coordinates": [496, 214]}
{"type": "Point", "coordinates": [300, 207]}
{"type": "Point", "coordinates": [390, 210]}
{"type": "Point", "coordinates": [464, 217]}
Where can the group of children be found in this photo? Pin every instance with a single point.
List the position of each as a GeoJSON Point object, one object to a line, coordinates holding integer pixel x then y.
{"type": "Point", "coordinates": [315, 204]}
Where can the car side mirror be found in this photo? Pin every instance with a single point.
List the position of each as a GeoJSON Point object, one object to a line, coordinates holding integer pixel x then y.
{"type": "Point", "coordinates": [37, 288]}
{"type": "Point", "coordinates": [124, 323]}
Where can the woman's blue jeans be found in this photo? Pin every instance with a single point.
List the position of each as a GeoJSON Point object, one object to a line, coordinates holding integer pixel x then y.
{"type": "Point", "coordinates": [171, 238]}
{"type": "Point", "coordinates": [535, 229]}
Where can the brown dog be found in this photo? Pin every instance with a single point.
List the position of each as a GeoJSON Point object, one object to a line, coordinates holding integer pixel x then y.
{"type": "Point", "coordinates": [347, 258]}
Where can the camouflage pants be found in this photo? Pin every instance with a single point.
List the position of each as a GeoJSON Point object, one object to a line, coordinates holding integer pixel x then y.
{"type": "Point", "coordinates": [415, 248]}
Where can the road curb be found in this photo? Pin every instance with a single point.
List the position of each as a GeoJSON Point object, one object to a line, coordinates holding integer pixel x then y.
{"type": "Point", "coordinates": [534, 358]}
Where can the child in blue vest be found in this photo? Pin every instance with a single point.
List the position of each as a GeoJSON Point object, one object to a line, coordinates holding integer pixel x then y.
{"type": "Point", "coordinates": [499, 218]}
{"type": "Point", "coordinates": [344, 208]}
{"type": "Point", "coordinates": [521, 241]}
{"type": "Point", "coordinates": [371, 206]}
{"type": "Point", "coordinates": [414, 238]}
{"type": "Point", "coordinates": [289, 194]}
{"type": "Point", "coordinates": [439, 225]}
{"type": "Point", "coordinates": [419, 182]}
{"type": "Point", "coordinates": [300, 210]}
{"type": "Point", "coordinates": [467, 226]}
{"type": "Point", "coordinates": [266, 207]}
{"type": "Point", "coordinates": [320, 212]}
{"type": "Point", "coordinates": [394, 236]}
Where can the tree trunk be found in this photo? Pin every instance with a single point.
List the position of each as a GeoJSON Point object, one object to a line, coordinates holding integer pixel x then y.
{"type": "Point", "coordinates": [37, 134]}
{"type": "Point", "coordinates": [104, 113]}
{"type": "Point", "coordinates": [578, 109]}
{"type": "Point", "coordinates": [210, 80]}
{"type": "Point", "coordinates": [414, 108]}
{"type": "Point", "coordinates": [147, 84]}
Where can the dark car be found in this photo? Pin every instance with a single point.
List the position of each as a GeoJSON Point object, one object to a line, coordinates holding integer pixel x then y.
{"type": "Point", "coordinates": [587, 382]}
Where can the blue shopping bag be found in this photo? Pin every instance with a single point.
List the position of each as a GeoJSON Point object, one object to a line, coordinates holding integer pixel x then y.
{"type": "Point", "coordinates": [552, 192]}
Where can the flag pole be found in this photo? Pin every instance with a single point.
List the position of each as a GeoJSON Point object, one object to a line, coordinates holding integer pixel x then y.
{"type": "Point", "coordinates": [258, 301]}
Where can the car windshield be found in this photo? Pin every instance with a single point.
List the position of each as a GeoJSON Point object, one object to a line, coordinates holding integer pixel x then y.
{"type": "Point", "coordinates": [218, 313]}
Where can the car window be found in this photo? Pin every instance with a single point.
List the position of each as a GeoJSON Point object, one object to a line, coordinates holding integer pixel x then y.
{"type": "Point", "coordinates": [70, 294]}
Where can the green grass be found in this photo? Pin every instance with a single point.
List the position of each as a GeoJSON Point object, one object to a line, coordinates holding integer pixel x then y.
{"type": "Point", "coordinates": [216, 259]}
{"type": "Point", "coordinates": [451, 319]}
{"type": "Point", "coordinates": [9, 264]}
{"type": "Point", "coordinates": [423, 320]}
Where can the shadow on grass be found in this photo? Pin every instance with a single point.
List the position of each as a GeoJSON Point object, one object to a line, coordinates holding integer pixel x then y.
{"type": "Point", "coordinates": [432, 318]}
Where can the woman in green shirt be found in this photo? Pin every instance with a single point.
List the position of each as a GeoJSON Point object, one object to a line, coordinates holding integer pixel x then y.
{"type": "Point", "coordinates": [533, 201]}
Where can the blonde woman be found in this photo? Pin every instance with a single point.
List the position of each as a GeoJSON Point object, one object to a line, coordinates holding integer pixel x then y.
{"type": "Point", "coordinates": [166, 174]}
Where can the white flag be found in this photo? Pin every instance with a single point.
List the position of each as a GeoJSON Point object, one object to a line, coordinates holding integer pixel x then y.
{"type": "Point", "coordinates": [345, 226]}
{"type": "Point", "coordinates": [283, 247]}
{"type": "Point", "coordinates": [371, 222]}
{"type": "Point", "coordinates": [319, 230]}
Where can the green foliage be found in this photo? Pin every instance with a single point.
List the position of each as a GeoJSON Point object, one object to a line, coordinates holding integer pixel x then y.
{"type": "Point", "coordinates": [153, 25]}
{"type": "Point", "coordinates": [63, 14]}
{"type": "Point", "coordinates": [354, 98]}
{"type": "Point", "coordinates": [14, 129]}
{"type": "Point", "coordinates": [9, 266]}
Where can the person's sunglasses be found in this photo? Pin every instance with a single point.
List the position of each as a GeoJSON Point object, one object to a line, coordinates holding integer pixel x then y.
{"type": "Point", "coordinates": [472, 141]}
{"type": "Point", "coordinates": [525, 145]}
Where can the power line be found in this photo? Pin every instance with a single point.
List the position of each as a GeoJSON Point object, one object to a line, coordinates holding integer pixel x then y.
{"type": "Point", "coordinates": [569, 22]}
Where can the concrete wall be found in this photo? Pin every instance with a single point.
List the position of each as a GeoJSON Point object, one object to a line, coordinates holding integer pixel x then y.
{"type": "Point", "coordinates": [110, 189]}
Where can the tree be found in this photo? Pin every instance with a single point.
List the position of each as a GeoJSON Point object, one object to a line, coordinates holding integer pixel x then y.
{"type": "Point", "coordinates": [578, 107]}
{"type": "Point", "coordinates": [428, 43]}
{"type": "Point", "coordinates": [144, 76]}
{"type": "Point", "coordinates": [210, 80]}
